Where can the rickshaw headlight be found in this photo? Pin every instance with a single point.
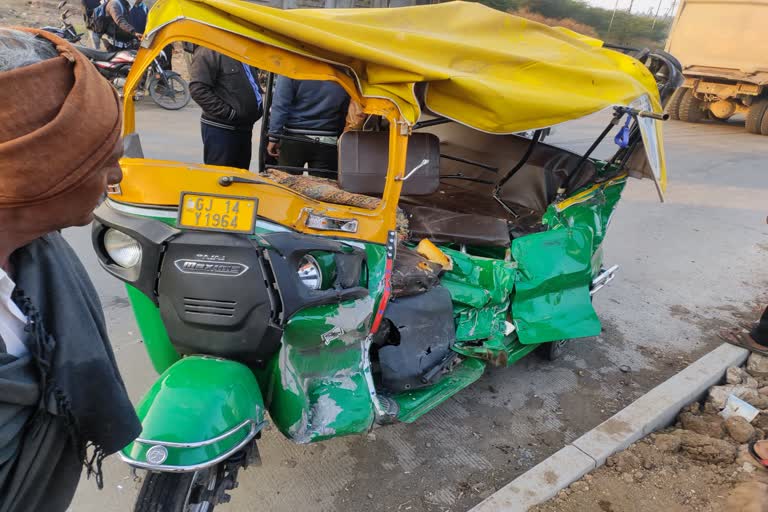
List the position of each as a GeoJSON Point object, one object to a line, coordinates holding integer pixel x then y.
{"type": "Point", "coordinates": [122, 249]}
{"type": "Point", "coordinates": [309, 272]}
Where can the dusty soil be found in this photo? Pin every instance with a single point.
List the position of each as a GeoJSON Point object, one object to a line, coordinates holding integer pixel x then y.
{"type": "Point", "coordinates": [35, 13]}
{"type": "Point", "coordinates": [700, 464]}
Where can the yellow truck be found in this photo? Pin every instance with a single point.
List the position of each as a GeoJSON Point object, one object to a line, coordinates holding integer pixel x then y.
{"type": "Point", "coordinates": [723, 48]}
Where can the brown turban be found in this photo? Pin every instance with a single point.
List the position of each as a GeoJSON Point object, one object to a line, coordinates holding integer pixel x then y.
{"type": "Point", "coordinates": [59, 123]}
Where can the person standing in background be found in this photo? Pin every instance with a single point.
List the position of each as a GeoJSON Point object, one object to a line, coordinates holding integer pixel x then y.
{"type": "Point", "coordinates": [88, 7]}
{"type": "Point", "coordinates": [231, 100]}
{"type": "Point", "coordinates": [137, 17]}
{"type": "Point", "coordinates": [312, 113]}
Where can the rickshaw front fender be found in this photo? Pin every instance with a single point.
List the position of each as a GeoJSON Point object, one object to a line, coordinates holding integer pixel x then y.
{"type": "Point", "coordinates": [198, 413]}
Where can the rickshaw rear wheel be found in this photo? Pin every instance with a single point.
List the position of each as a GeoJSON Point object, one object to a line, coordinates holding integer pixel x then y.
{"type": "Point", "coordinates": [553, 350]}
{"type": "Point", "coordinates": [176, 492]}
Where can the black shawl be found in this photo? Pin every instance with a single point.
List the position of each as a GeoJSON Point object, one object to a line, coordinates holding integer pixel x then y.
{"type": "Point", "coordinates": [67, 394]}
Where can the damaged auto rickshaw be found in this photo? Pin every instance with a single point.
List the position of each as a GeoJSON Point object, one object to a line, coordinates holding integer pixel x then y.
{"type": "Point", "coordinates": [335, 303]}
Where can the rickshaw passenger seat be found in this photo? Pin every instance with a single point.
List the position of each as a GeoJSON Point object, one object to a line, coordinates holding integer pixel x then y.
{"type": "Point", "coordinates": [364, 158]}
{"type": "Point", "coordinates": [443, 226]}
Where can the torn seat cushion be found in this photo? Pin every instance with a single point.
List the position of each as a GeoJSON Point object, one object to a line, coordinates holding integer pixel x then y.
{"type": "Point", "coordinates": [443, 226]}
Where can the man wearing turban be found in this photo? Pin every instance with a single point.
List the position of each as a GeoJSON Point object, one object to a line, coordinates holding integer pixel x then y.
{"type": "Point", "coordinates": [62, 401]}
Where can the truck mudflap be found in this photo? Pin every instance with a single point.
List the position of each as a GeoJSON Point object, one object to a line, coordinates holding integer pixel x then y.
{"type": "Point", "coordinates": [201, 411]}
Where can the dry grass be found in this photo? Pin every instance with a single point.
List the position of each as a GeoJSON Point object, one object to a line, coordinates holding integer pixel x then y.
{"type": "Point", "coordinates": [568, 23]}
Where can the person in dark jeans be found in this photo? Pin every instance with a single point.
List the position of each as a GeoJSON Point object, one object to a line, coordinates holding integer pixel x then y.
{"type": "Point", "coordinates": [755, 339]}
{"type": "Point", "coordinates": [312, 110]}
{"type": "Point", "coordinates": [227, 91]}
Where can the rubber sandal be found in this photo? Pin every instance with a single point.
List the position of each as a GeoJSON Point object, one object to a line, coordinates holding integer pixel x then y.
{"type": "Point", "coordinates": [740, 340]}
{"type": "Point", "coordinates": [753, 453]}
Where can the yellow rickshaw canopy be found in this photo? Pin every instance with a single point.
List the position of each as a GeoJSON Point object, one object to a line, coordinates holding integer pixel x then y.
{"type": "Point", "coordinates": [490, 70]}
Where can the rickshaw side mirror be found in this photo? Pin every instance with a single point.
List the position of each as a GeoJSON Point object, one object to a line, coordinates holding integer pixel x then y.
{"type": "Point", "coordinates": [364, 158]}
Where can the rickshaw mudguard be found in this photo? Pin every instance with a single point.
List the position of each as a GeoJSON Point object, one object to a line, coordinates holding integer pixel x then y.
{"type": "Point", "coordinates": [199, 412]}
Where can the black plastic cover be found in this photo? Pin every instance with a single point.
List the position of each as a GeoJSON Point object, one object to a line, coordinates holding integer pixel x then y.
{"type": "Point", "coordinates": [150, 233]}
{"type": "Point", "coordinates": [215, 298]}
{"type": "Point", "coordinates": [427, 333]}
{"type": "Point", "coordinates": [287, 249]}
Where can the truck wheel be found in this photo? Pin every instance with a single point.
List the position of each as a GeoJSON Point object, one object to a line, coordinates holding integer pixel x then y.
{"type": "Point", "coordinates": [755, 116]}
{"type": "Point", "coordinates": [673, 105]}
{"type": "Point", "coordinates": [691, 108]}
{"type": "Point", "coordinates": [176, 492]}
{"type": "Point", "coordinates": [764, 124]}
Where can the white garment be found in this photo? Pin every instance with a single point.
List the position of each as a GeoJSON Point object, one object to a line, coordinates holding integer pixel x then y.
{"type": "Point", "coordinates": [12, 320]}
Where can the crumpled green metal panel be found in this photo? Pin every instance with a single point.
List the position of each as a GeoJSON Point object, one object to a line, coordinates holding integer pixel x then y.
{"type": "Point", "coordinates": [480, 289]}
{"type": "Point", "coordinates": [551, 300]}
{"type": "Point", "coordinates": [315, 387]}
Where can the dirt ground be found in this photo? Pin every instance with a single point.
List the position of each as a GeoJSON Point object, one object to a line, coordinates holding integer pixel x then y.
{"type": "Point", "coordinates": [700, 464]}
{"type": "Point", "coordinates": [36, 13]}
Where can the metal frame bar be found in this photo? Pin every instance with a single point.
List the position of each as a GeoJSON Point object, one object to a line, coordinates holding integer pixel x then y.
{"type": "Point", "coordinates": [198, 444]}
{"type": "Point", "coordinates": [255, 429]}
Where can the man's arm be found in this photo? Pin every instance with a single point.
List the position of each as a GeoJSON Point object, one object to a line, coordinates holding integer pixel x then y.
{"type": "Point", "coordinates": [119, 16]}
{"type": "Point", "coordinates": [281, 103]}
{"type": "Point", "coordinates": [204, 72]}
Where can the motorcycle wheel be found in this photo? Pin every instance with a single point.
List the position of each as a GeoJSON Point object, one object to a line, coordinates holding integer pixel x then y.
{"type": "Point", "coordinates": [176, 492]}
{"type": "Point", "coordinates": [171, 94]}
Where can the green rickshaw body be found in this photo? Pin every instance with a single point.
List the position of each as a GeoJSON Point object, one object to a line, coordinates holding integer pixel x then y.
{"type": "Point", "coordinates": [315, 387]}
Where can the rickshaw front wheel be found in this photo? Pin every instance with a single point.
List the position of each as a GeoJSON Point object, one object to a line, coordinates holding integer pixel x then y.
{"type": "Point", "coordinates": [177, 492]}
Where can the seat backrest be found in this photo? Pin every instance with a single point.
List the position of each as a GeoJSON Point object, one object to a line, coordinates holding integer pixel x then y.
{"type": "Point", "coordinates": [364, 157]}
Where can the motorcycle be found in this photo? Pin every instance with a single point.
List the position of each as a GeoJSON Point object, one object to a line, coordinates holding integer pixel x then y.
{"type": "Point", "coordinates": [166, 88]}
{"type": "Point", "coordinates": [339, 303]}
{"type": "Point", "coordinates": [66, 31]}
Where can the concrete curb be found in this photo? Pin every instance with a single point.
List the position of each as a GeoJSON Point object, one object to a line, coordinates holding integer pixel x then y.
{"type": "Point", "coordinates": [654, 410]}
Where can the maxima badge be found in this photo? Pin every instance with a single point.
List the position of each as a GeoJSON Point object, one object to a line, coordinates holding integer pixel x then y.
{"type": "Point", "coordinates": [211, 268]}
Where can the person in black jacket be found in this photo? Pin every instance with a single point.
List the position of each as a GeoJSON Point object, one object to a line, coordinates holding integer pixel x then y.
{"type": "Point", "coordinates": [227, 91]}
{"type": "Point", "coordinates": [120, 33]}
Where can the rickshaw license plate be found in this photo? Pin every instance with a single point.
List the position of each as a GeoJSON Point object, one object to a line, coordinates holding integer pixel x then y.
{"type": "Point", "coordinates": [217, 213]}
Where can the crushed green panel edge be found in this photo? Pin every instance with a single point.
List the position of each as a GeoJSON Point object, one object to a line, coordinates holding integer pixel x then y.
{"type": "Point", "coordinates": [551, 300]}
{"type": "Point", "coordinates": [317, 391]}
{"type": "Point", "coordinates": [161, 352]}
{"type": "Point", "coordinates": [498, 351]}
{"type": "Point", "coordinates": [480, 288]}
{"type": "Point", "coordinates": [416, 403]}
{"type": "Point", "coordinates": [197, 399]}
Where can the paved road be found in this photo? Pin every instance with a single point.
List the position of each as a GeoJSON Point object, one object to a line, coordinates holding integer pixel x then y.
{"type": "Point", "coordinates": [688, 266]}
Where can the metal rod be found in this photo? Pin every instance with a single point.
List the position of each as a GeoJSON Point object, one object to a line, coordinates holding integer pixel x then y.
{"type": "Point", "coordinates": [504, 179]}
{"type": "Point", "coordinates": [421, 164]}
{"type": "Point", "coordinates": [470, 162]}
{"type": "Point", "coordinates": [431, 122]}
{"type": "Point", "coordinates": [264, 136]}
{"type": "Point", "coordinates": [605, 277]}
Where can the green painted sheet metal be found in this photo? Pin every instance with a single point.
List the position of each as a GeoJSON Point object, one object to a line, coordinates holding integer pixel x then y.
{"type": "Point", "coordinates": [551, 300]}
{"type": "Point", "coordinates": [158, 345]}
{"type": "Point", "coordinates": [416, 403]}
{"type": "Point", "coordinates": [317, 390]}
{"type": "Point", "coordinates": [197, 399]}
